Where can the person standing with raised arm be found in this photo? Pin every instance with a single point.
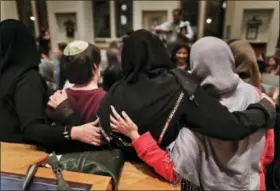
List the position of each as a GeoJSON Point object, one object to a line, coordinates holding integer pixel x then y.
{"type": "Point", "coordinates": [175, 31]}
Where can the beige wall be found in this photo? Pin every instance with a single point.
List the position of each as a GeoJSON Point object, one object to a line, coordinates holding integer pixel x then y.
{"type": "Point", "coordinates": [201, 18]}
{"type": "Point", "coordinates": [84, 16]}
{"type": "Point", "coordinates": [84, 20]}
{"type": "Point", "coordinates": [140, 6]}
{"type": "Point", "coordinates": [229, 16]}
{"type": "Point", "coordinates": [8, 10]}
{"type": "Point", "coordinates": [265, 16]}
{"type": "Point", "coordinates": [238, 12]}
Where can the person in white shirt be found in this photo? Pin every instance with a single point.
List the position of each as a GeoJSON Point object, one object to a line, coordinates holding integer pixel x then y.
{"type": "Point", "coordinates": [175, 32]}
{"type": "Point", "coordinates": [177, 26]}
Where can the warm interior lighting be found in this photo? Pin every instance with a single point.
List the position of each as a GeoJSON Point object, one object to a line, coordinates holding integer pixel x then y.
{"type": "Point", "coordinates": [208, 21]}
{"type": "Point", "coordinates": [32, 18]}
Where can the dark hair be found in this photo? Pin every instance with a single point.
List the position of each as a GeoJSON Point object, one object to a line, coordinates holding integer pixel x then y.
{"type": "Point", "coordinates": [111, 75]}
{"type": "Point", "coordinates": [179, 11]}
{"type": "Point", "coordinates": [113, 55]}
{"type": "Point", "coordinates": [175, 50]}
{"type": "Point", "coordinates": [61, 46]}
{"type": "Point", "coordinates": [129, 32]}
{"type": "Point", "coordinates": [261, 65]}
{"type": "Point", "coordinates": [229, 42]}
{"type": "Point", "coordinates": [42, 33]}
{"type": "Point", "coordinates": [78, 68]}
{"type": "Point", "coordinates": [263, 55]}
{"type": "Point", "coordinates": [113, 44]}
{"type": "Point", "coordinates": [274, 58]}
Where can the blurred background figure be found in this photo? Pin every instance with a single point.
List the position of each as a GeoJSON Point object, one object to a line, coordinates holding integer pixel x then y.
{"type": "Point", "coordinates": [114, 53]}
{"type": "Point", "coordinates": [261, 66]}
{"type": "Point", "coordinates": [59, 74]}
{"type": "Point", "coordinates": [49, 66]}
{"type": "Point", "coordinates": [261, 61]}
{"type": "Point", "coordinates": [245, 62]}
{"type": "Point", "coordinates": [180, 56]}
{"type": "Point", "coordinates": [273, 66]}
{"type": "Point", "coordinates": [114, 49]}
{"type": "Point", "coordinates": [254, 28]}
{"type": "Point", "coordinates": [172, 32]}
{"type": "Point", "coordinates": [47, 69]}
{"type": "Point", "coordinates": [112, 74]}
{"type": "Point", "coordinates": [61, 47]}
{"type": "Point", "coordinates": [44, 44]}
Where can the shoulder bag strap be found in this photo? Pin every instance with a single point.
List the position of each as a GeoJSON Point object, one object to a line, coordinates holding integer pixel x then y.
{"type": "Point", "coordinates": [170, 117]}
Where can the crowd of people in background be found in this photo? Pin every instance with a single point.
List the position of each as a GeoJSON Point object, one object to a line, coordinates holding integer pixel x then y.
{"type": "Point", "coordinates": [169, 33]}
{"type": "Point", "coordinates": [198, 114]}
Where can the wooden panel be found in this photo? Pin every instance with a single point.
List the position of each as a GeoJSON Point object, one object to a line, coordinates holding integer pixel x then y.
{"type": "Point", "coordinates": [142, 177]}
{"type": "Point", "coordinates": [19, 156]}
{"type": "Point", "coordinates": [16, 158]}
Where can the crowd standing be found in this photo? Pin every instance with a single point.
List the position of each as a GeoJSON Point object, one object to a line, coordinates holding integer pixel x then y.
{"type": "Point", "coordinates": [200, 114]}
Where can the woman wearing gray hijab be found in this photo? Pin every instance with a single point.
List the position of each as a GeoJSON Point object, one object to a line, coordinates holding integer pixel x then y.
{"type": "Point", "coordinates": [201, 162]}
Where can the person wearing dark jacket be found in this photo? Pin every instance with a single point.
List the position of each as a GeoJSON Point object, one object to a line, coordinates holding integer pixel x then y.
{"type": "Point", "coordinates": [23, 96]}
{"type": "Point", "coordinates": [157, 97]}
{"type": "Point", "coordinates": [112, 74]}
{"type": "Point", "coordinates": [204, 162]}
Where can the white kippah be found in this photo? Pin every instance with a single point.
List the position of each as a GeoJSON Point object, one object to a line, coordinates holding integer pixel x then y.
{"type": "Point", "coordinates": [75, 47]}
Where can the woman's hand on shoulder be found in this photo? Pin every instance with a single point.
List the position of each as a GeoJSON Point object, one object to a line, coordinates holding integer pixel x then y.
{"type": "Point", "coordinates": [123, 124]}
{"type": "Point", "coordinates": [88, 133]}
{"type": "Point", "coordinates": [57, 98]}
{"type": "Point", "coordinates": [264, 96]}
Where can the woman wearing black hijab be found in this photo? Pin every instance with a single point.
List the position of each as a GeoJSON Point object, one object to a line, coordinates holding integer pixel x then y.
{"type": "Point", "coordinates": [23, 93]}
{"type": "Point", "coordinates": [151, 87]}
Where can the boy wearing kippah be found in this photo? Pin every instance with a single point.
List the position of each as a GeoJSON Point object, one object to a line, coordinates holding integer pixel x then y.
{"type": "Point", "coordinates": [80, 64]}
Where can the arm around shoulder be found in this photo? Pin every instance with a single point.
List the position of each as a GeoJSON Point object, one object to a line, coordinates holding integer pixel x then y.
{"type": "Point", "coordinates": [30, 103]}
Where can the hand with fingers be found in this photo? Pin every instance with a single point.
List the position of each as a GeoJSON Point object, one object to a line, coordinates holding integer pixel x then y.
{"type": "Point", "coordinates": [264, 96]}
{"type": "Point", "coordinates": [57, 98]}
{"type": "Point", "coordinates": [88, 133]}
{"type": "Point", "coordinates": [123, 124]}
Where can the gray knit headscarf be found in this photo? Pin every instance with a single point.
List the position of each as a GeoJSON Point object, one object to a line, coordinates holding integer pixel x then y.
{"type": "Point", "coordinates": [207, 163]}
{"type": "Point", "coordinates": [213, 63]}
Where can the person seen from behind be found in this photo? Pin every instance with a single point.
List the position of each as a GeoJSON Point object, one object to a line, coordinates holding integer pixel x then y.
{"type": "Point", "coordinates": [202, 162]}
{"type": "Point", "coordinates": [245, 62]}
{"type": "Point", "coordinates": [262, 69]}
{"type": "Point", "coordinates": [153, 87]}
{"type": "Point", "coordinates": [273, 66]}
{"type": "Point", "coordinates": [112, 74]}
{"type": "Point", "coordinates": [44, 44]}
{"type": "Point", "coordinates": [60, 77]}
{"type": "Point", "coordinates": [24, 97]}
{"type": "Point", "coordinates": [181, 27]}
{"type": "Point", "coordinates": [80, 64]}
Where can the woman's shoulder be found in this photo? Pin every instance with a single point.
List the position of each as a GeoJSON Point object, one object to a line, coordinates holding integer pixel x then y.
{"type": "Point", "coordinates": [31, 78]}
{"type": "Point", "coordinates": [186, 142]}
{"type": "Point", "coordinates": [30, 75]}
{"type": "Point", "coordinates": [188, 136]}
{"type": "Point", "coordinates": [249, 89]}
{"type": "Point", "coordinates": [248, 94]}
